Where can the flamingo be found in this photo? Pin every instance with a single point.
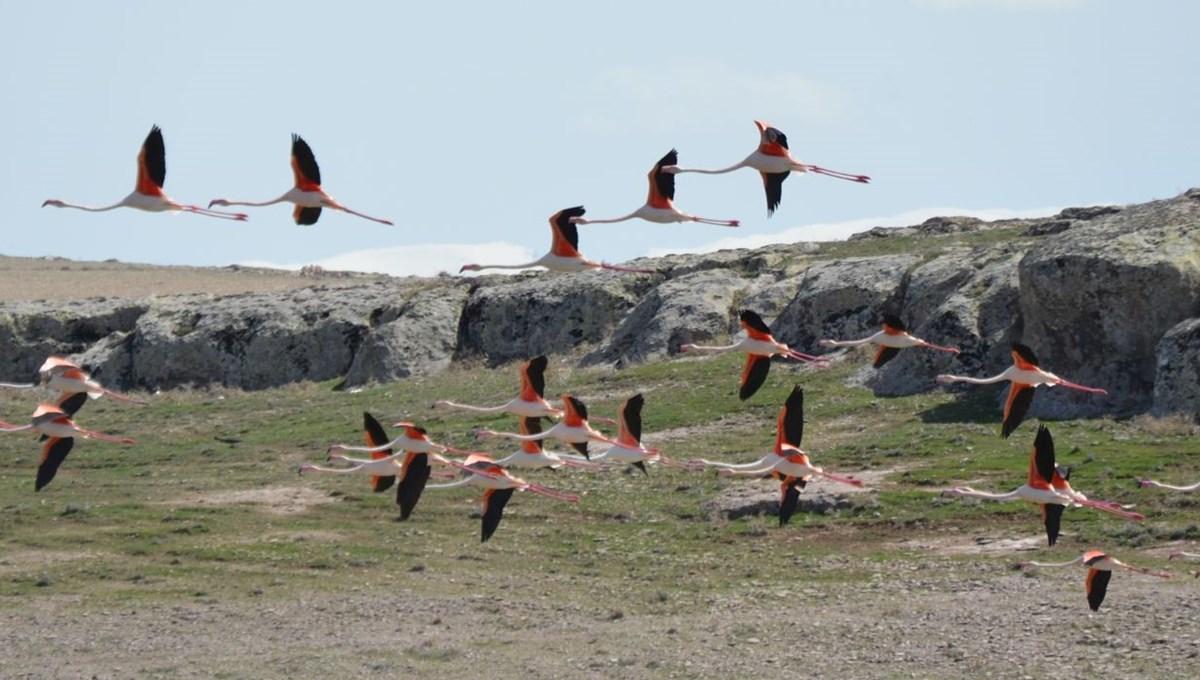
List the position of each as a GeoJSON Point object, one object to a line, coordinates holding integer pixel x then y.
{"type": "Point", "coordinates": [530, 402]}
{"type": "Point", "coordinates": [761, 346]}
{"type": "Point", "coordinates": [1100, 566]}
{"type": "Point", "coordinates": [1150, 482]}
{"type": "Point", "coordinates": [564, 255]}
{"type": "Point", "coordinates": [1025, 377]}
{"type": "Point", "coordinates": [60, 432]}
{"type": "Point", "coordinates": [498, 484]}
{"type": "Point", "coordinates": [532, 455]}
{"type": "Point", "coordinates": [411, 468]}
{"type": "Point", "coordinates": [658, 207]}
{"type": "Point", "coordinates": [67, 377]}
{"type": "Point", "coordinates": [1181, 554]}
{"type": "Point", "coordinates": [789, 430]}
{"type": "Point", "coordinates": [628, 448]}
{"type": "Point", "coordinates": [572, 429]}
{"type": "Point", "coordinates": [774, 162]}
{"type": "Point", "coordinates": [308, 195]}
{"type": "Point", "coordinates": [1044, 489]}
{"type": "Point", "coordinates": [148, 192]}
{"type": "Point", "coordinates": [891, 340]}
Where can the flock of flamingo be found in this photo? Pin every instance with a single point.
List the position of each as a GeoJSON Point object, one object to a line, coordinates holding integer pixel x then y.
{"type": "Point", "coordinates": [406, 460]}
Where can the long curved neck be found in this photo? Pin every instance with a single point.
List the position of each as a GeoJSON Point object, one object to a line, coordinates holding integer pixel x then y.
{"type": "Point", "coordinates": [8, 427]}
{"type": "Point", "coordinates": [977, 381]}
{"type": "Point", "coordinates": [18, 386]}
{"type": "Point", "coordinates": [847, 343]}
{"type": "Point", "coordinates": [610, 220]}
{"type": "Point", "coordinates": [254, 204]}
{"type": "Point", "coordinates": [318, 468]}
{"type": "Point", "coordinates": [527, 265]}
{"type": "Point", "coordinates": [715, 348]}
{"type": "Point", "coordinates": [1077, 560]}
{"type": "Point", "coordinates": [477, 409]}
{"type": "Point", "coordinates": [720, 171]}
{"type": "Point", "coordinates": [89, 208]}
{"type": "Point", "coordinates": [450, 485]}
{"type": "Point", "coordinates": [1192, 487]}
{"type": "Point", "coordinates": [972, 493]}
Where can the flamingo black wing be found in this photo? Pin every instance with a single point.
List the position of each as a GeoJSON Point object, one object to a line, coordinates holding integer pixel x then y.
{"type": "Point", "coordinates": [754, 374]}
{"type": "Point", "coordinates": [1097, 587]}
{"type": "Point", "coordinates": [884, 355]}
{"type": "Point", "coordinates": [664, 182]}
{"type": "Point", "coordinates": [792, 418]}
{"type": "Point", "coordinates": [494, 501]}
{"type": "Point", "coordinates": [1052, 517]}
{"type": "Point", "coordinates": [773, 185]}
{"type": "Point", "coordinates": [154, 157]}
{"type": "Point", "coordinates": [306, 217]}
{"type": "Point", "coordinates": [752, 321]}
{"type": "Point", "coordinates": [791, 488]}
{"type": "Point", "coordinates": [416, 474]}
{"type": "Point", "coordinates": [305, 161]}
{"type": "Point", "coordinates": [1020, 396]}
{"type": "Point", "coordinates": [54, 452]}
{"type": "Point", "coordinates": [535, 371]}
{"type": "Point", "coordinates": [631, 415]}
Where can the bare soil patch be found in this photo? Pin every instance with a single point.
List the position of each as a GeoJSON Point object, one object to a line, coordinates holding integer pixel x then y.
{"type": "Point", "coordinates": [276, 500]}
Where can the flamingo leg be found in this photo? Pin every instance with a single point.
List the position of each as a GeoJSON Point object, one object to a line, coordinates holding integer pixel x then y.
{"type": "Point", "coordinates": [719, 223]}
{"type": "Point", "coordinates": [239, 217]}
{"type": "Point", "coordinates": [930, 345]}
{"type": "Point", "coordinates": [1108, 507]}
{"type": "Point", "coordinates": [844, 480]}
{"type": "Point", "coordinates": [100, 435]}
{"type": "Point", "coordinates": [1082, 388]}
{"type": "Point", "coordinates": [358, 214]}
{"type": "Point", "coordinates": [552, 493]}
{"type": "Point", "coordinates": [864, 179]}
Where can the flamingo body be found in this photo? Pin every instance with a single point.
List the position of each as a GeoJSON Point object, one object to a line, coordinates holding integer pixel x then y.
{"type": "Point", "coordinates": [660, 206]}
{"type": "Point", "coordinates": [564, 255]}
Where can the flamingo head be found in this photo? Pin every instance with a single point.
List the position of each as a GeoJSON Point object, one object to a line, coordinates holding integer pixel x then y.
{"type": "Point", "coordinates": [469, 268]}
{"type": "Point", "coordinates": [52, 201]}
{"type": "Point", "coordinates": [218, 201]}
{"type": "Point", "coordinates": [686, 347]}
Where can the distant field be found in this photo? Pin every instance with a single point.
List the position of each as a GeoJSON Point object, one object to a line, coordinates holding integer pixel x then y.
{"type": "Point", "coordinates": [51, 278]}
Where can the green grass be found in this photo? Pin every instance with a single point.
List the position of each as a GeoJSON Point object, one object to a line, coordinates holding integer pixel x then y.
{"type": "Point", "coordinates": [161, 521]}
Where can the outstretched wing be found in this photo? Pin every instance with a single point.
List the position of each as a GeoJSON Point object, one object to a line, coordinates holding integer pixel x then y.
{"type": "Point", "coordinates": [565, 241]}
{"type": "Point", "coordinates": [630, 419]}
{"type": "Point", "coordinates": [304, 165]}
{"type": "Point", "coordinates": [306, 217]}
{"type": "Point", "coordinates": [773, 185]}
{"type": "Point", "coordinates": [494, 501]}
{"type": "Point", "coordinates": [884, 355]}
{"type": "Point", "coordinates": [754, 374]}
{"type": "Point", "coordinates": [1052, 517]}
{"type": "Point", "coordinates": [1097, 587]}
{"type": "Point", "coordinates": [152, 164]}
{"type": "Point", "coordinates": [416, 474]}
{"type": "Point", "coordinates": [1020, 396]}
{"type": "Point", "coordinates": [533, 378]}
{"type": "Point", "coordinates": [54, 452]}
{"type": "Point", "coordinates": [377, 436]}
{"type": "Point", "coordinates": [790, 498]}
{"type": "Point", "coordinates": [662, 184]}
{"type": "Point", "coordinates": [791, 420]}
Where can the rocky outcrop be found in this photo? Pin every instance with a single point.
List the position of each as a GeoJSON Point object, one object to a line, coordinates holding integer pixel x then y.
{"type": "Point", "coordinates": [1177, 375]}
{"type": "Point", "coordinates": [1104, 295]}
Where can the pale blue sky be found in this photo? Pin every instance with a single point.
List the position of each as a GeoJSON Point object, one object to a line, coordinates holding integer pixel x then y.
{"type": "Point", "coordinates": [470, 123]}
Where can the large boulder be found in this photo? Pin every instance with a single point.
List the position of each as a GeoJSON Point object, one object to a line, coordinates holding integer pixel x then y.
{"type": "Point", "coordinates": [696, 307]}
{"type": "Point", "coordinates": [843, 299]}
{"type": "Point", "coordinates": [1097, 298]}
{"type": "Point", "coordinates": [517, 317]}
{"type": "Point", "coordinates": [419, 338]}
{"type": "Point", "coordinates": [1177, 378]}
{"type": "Point", "coordinates": [32, 331]}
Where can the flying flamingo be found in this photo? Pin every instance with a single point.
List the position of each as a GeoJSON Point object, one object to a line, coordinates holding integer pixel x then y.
{"type": "Point", "coordinates": [573, 429]}
{"type": "Point", "coordinates": [760, 346]}
{"type": "Point", "coordinates": [628, 448]}
{"type": "Point", "coordinates": [658, 207]}
{"type": "Point", "coordinates": [412, 468]}
{"type": "Point", "coordinates": [1042, 488]}
{"type": "Point", "coordinates": [1150, 482]}
{"type": "Point", "coordinates": [1100, 567]}
{"type": "Point", "coordinates": [529, 402]}
{"type": "Point", "coordinates": [774, 162]}
{"type": "Point", "coordinates": [564, 255]}
{"type": "Point", "coordinates": [891, 340]}
{"type": "Point", "coordinates": [789, 430]}
{"type": "Point", "coordinates": [308, 195]}
{"type": "Point", "coordinates": [67, 377]}
{"type": "Point", "coordinates": [148, 192]}
{"type": "Point", "coordinates": [1181, 554]}
{"type": "Point", "coordinates": [532, 455]}
{"type": "Point", "coordinates": [60, 432]}
{"type": "Point", "coordinates": [499, 485]}
{"type": "Point", "coordinates": [1025, 377]}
